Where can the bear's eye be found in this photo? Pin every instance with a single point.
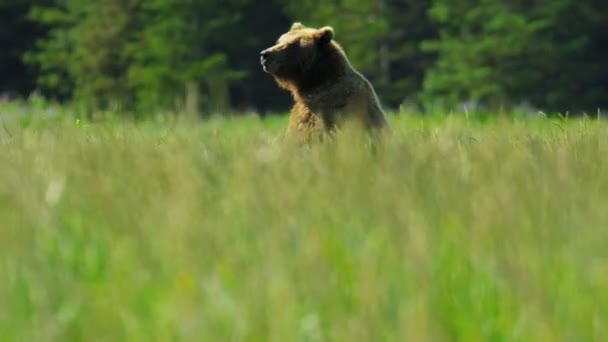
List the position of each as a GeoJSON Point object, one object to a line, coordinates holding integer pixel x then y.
{"type": "Point", "coordinates": [290, 44]}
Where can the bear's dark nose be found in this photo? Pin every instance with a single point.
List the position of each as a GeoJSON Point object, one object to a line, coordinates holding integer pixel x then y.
{"type": "Point", "coordinates": [264, 55]}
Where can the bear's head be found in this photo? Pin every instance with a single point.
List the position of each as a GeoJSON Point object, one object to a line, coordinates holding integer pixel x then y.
{"type": "Point", "coordinates": [298, 50]}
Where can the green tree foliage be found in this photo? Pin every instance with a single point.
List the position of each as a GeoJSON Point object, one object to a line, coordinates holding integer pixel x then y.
{"type": "Point", "coordinates": [260, 25]}
{"type": "Point", "coordinates": [149, 54]}
{"type": "Point", "coordinates": [547, 53]}
{"type": "Point", "coordinates": [17, 35]}
{"type": "Point", "coordinates": [179, 46]}
{"type": "Point", "coordinates": [202, 55]}
{"type": "Point", "coordinates": [577, 70]}
{"type": "Point", "coordinates": [83, 54]}
{"type": "Point", "coordinates": [405, 63]}
{"type": "Point", "coordinates": [484, 48]}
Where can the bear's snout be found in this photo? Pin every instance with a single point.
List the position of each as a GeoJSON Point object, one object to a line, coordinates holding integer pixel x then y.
{"type": "Point", "coordinates": [266, 61]}
{"type": "Point", "coordinates": [264, 55]}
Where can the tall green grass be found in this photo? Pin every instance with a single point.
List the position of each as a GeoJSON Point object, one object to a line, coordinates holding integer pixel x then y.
{"type": "Point", "coordinates": [450, 230]}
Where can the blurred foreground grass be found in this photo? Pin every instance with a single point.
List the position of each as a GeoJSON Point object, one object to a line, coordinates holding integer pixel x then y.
{"type": "Point", "coordinates": [452, 230]}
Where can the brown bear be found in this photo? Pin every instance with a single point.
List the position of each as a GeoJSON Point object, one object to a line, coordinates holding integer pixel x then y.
{"type": "Point", "coordinates": [326, 88]}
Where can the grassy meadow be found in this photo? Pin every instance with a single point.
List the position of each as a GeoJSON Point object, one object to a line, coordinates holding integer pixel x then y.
{"type": "Point", "coordinates": [453, 229]}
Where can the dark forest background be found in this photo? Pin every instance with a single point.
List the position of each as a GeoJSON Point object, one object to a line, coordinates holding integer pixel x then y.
{"type": "Point", "coordinates": [148, 55]}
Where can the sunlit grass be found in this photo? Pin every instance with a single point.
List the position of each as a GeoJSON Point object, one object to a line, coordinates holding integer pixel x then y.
{"type": "Point", "coordinates": [451, 229]}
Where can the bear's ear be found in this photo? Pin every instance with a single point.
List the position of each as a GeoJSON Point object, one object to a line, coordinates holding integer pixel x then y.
{"type": "Point", "coordinates": [296, 26]}
{"type": "Point", "coordinates": [324, 35]}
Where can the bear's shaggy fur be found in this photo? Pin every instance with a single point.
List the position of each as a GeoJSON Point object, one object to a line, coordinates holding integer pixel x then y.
{"type": "Point", "coordinates": [326, 89]}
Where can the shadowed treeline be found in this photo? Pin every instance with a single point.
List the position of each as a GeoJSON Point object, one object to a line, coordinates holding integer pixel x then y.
{"type": "Point", "coordinates": [202, 55]}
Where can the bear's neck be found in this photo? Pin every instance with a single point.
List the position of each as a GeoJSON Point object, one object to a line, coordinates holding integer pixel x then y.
{"type": "Point", "coordinates": [330, 66]}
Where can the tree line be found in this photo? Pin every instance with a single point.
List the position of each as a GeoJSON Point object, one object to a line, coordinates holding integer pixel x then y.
{"type": "Point", "coordinates": [202, 55]}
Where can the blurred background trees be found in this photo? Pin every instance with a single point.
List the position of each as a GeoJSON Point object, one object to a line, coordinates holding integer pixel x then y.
{"type": "Point", "coordinates": [201, 56]}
